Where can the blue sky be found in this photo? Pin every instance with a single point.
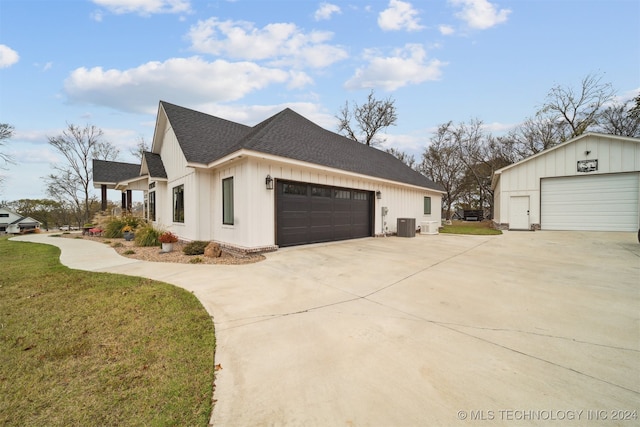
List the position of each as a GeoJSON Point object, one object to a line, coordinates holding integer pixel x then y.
{"type": "Point", "coordinates": [108, 62]}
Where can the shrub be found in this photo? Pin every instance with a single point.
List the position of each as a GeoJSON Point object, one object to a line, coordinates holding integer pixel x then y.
{"type": "Point", "coordinates": [129, 252]}
{"type": "Point", "coordinates": [114, 228]}
{"type": "Point", "coordinates": [195, 248]}
{"type": "Point", "coordinates": [117, 245]}
{"type": "Point", "coordinates": [148, 236]}
{"type": "Point", "coordinates": [196, 260]}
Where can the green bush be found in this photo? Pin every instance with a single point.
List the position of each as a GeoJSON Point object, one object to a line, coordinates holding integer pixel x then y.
{"type": "Point", "coordinates": [147, 236]}
{"type": "Point", "coordinates": [114, 228]}
{"type": "Point", "coordinates": [195, 248]}
{"type": "Point", "coordinates": [196, 260]}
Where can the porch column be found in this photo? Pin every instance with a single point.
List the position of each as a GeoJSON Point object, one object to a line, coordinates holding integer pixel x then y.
{"type": "Point", "coordinates": [124, 202]}
{"type": "Point", "coordinates": [103, 189]}
{"type": "Point", "coordinates": [129, 201]}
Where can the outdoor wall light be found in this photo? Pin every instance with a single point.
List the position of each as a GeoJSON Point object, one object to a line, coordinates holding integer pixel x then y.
{"type": "Point", "coordinates": [378, 195]}
{"type": "Point", "coordinates": [269, 182]}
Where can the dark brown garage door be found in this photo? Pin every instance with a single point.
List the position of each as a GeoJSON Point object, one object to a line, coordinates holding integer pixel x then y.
{"type": "Point", "coordinates": [310, 213]}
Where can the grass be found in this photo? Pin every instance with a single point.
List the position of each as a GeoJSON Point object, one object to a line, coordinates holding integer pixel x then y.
{"type": "Point", "coordinates": [81, 348]}
{"type": "Point", "coordinates": [476, 228]}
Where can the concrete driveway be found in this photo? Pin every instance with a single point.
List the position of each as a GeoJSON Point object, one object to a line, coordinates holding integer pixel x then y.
{"type": "Point", "coordinates": [527, 328]}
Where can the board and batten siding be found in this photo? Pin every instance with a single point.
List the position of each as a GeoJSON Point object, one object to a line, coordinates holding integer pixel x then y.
{"type": "Point", "coordinates": [614, 155]}
{"type": "Point", "coordinates": [254, 205]}
{"type": "Point", "coordinates": [178, 174]}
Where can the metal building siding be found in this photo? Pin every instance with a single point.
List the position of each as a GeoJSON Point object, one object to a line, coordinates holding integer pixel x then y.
{"type": "Point", "coordinates": [605, 202]}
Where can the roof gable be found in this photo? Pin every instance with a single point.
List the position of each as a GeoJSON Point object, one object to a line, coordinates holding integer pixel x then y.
{"type": "Point", "coordinates": [496, 175]}
{"type": "Point", "coordinates": [571, 141]}
{"type": "Point", "coordinates": [153, 164]}
{"type": "Point", "coordinates": [203, 138]}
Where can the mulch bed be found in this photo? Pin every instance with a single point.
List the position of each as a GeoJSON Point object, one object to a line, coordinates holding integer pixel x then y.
{"type": "Point", "coordinates": [154, 253]}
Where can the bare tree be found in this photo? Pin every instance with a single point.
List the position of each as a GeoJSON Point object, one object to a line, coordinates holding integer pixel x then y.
{"type": "Point", "coordinates": [635, 110]}
{"type": "Point", "coordinates": [532, 136]}
{"type": "Point", "coordinates": [578, 109]}
{"type": "Point", "coordinates": [6, 132]}
{"type": "Point", "coordinates": [620, 119]}
{"type": "Point", "coordinates": [441, 164]}
{"type": "Point", "coordinates": [363, 123]}
{"type": "Point", "coordinates": [407, 159]}
{"type": "Point", "coordinates": [71, 181]}
{"type": "Point", "coordinates": [141, 147]}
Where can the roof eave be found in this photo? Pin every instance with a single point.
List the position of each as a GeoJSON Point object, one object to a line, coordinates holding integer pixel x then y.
{"type": "Point", "coordinates": [244, 153]}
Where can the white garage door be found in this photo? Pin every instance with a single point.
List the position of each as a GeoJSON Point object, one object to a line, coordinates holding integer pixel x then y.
{"type": "Point", "coordinates": [592, 202]}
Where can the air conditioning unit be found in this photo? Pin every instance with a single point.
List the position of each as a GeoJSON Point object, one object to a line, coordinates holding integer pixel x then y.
{"type": "Point", "coordinates": [429, 227]}
{"type": "Point", "coordinates": [406, 227]}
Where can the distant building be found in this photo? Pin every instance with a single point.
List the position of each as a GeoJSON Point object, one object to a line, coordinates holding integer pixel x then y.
{"type": "Point", "coordinates": [12, 223]}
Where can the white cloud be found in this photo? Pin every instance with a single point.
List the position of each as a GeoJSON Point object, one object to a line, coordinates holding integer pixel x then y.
{"type": "Point", "coordinates": [446, 30]}
{"type": "Point", "coordinates": [143, 7]}
{"type": "Point", "coordinates": [405, 66]}
{"type": "Point", "coordinates": [280, 43]}
{"type": "Point", "coordinates": [183, 81]}
{"type": "Point", "coordinates": [325, 11]}
{"type": "Point", "coordinates": [480, 14]}
{"type": "Point", "coordinates": [409, 143]}
{"type": "Point", "coordinates": [8, 56]}
{"type": "Point", "coordinates": [399, 16]}
{"type": "Point", "coordinates": [97, 15]}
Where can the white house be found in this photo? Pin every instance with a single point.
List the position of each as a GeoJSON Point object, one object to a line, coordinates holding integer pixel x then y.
{"type": "Point", "coordinates": [590, 182]}
{"type": "Point", "coordinates": [12, 223]}
{"type": "Point", "coordinates": [285, 181]}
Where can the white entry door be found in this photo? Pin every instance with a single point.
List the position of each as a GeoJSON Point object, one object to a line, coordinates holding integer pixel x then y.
{"type": "Point", "coordinates": [519, 213]}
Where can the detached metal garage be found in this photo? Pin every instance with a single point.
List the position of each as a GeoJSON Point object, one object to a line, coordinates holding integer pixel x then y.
{"type": "Point", "coordinates": [591, 183]}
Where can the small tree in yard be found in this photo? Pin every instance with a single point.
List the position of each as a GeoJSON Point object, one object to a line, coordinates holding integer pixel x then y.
{"type": "Point", "coordinates": [71, 180]}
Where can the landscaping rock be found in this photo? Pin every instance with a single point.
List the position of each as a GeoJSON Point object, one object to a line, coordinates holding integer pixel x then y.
{"type": "Point", "coordinates": [212, 250]}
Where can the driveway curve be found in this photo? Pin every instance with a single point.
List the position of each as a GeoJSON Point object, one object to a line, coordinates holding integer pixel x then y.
{"type": "Point", "coordinates": [527, 328]}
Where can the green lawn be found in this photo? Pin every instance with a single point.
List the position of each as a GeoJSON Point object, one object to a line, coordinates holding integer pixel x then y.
{"type": "Point", "coordinates": [476, 228]}
{"type": "Point", "coordinates": [80, 348]}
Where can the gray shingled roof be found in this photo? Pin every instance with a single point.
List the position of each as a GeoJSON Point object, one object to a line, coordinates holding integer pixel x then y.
{"type": "Point", "coordinates": [155, 165]}
{"type": "Point", "coordinates": [205, 138]}
{"type": "Point", "coordinates": [114, 172]}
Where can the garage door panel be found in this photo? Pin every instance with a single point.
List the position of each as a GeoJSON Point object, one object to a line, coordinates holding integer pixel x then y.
{"type": "Point", "coordinates": [591, 202]}
{"type": "Point", "coordinates": [309, 213]}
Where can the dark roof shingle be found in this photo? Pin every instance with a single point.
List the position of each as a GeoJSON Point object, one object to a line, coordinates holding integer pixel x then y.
{"type": "Point", "coordinates": [113, 172]}
{"type": "Point", "coordinates": [202, 138]}
{"type": "Point", "coordinates": [154, 165]}
{"type": "Point", "coordinates": [205, 138]}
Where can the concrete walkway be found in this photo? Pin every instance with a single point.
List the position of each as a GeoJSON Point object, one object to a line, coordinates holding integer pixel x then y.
{"type": "Point", "coordinates": [521, 329]}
